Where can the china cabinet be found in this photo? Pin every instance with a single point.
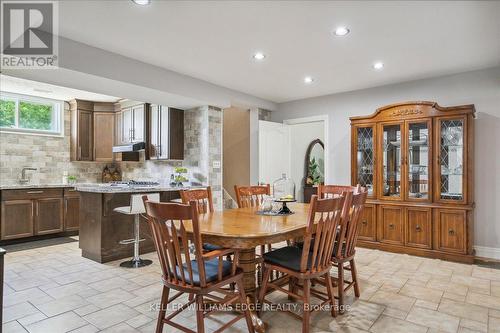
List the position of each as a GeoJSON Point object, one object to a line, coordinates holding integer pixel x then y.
{"type": "Point", "coordinates": [416, 160]}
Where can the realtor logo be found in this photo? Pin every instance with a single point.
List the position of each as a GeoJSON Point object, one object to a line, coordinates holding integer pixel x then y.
{"type": "Point", "coordinates": [29, 39]}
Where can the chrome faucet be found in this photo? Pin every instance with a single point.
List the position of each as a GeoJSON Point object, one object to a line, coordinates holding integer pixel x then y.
{"type": "Point", "coordinates": [24, 179]}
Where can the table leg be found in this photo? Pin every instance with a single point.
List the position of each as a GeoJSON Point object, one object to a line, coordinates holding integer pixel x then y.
{"type": "Point", "coordinates": [247, 263]}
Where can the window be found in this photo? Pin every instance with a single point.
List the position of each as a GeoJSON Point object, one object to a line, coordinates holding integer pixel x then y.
{"type": "Point", "coordinates": [29, 114]}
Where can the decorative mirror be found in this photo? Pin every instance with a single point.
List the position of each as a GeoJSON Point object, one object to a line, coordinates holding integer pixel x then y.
{"type": "Point", "coordinates": [315, 164]}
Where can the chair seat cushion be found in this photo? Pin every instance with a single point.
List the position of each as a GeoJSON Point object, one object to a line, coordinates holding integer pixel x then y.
{"type": "Point", "coordinates": [300, 245]}
{"type": "Point", "coordinates": [288, 257]}
{"type": "Point", "coordinates": [211, 270]}
{"type": "Point", "coordinates": [211, 247]}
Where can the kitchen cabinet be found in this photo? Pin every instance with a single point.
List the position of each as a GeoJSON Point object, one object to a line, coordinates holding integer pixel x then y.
{"type": "Point", "coordinates": [17, 219]}
{"type": "Point", "coordinates": [81, 130]}
{"type": "Point", "coordinates": [104, 129]}
{"type": "Point", "coordinates": [416, 160]}
{"type": "Point", "coordinates": [166, 133]}
{"type": "Point", "coordinates": [48, 215]}
{"type": "Point", "coordinates": [92, 131]}
{"type": "Point", "coordinates": [132, 121]}
{"type": "Point", "coordinates": [40, 211]}
{"type": "Point", "coordinates": [71, 210]}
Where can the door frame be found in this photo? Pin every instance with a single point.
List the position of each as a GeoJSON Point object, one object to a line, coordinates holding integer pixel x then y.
{"type": "Point", "coordinates": [326, 141]}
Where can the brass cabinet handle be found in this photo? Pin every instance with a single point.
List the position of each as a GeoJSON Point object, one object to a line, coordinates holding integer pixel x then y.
{"type": "Point", "coordinates": [451, 232]}
{"type": "Point", "coordinates": [391, 226]}
{"type": "Point", "coordinates": [364, 222]}
{"type": "Point", "coordinates": [34, 192]}
{"type": "Point", "coordinates": [418, 228]}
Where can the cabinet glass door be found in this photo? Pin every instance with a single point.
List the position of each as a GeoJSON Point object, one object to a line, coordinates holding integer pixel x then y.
{"type": "Point", "coordinates": [127, 122]}
{"type": "Point", "coordinates": [164, 132]}
{"type": "Point", "coordinates": [154, 131]}
{"type": "Point", "coordinates": [451, 159]}
{"type": "Point", "coordinates": [391, 161]}
{"type": "Point", "coordinates": [418, 160]}
{"type": "Point", "coordinates": [365, 158]}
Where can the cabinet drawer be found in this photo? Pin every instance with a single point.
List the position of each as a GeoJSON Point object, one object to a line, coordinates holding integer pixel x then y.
{"type": "Point", "coordinates": [390, 224]}
{"type": "Point", "coordinates": [418, 227]}
{"type": "Point", "coordinates": [367, 224]}
{"type": "Point", "coordinates": [451, 229]}
{"type": "Point", "coordinates": [33, 193]}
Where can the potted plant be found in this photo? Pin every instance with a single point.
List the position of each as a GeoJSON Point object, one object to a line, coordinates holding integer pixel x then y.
{"type": "Point", "coordinates": [179, 177]}
{"type": "Point", "coordinates": [71, 179]}
{"type": "Point", "coordinates": [314, 177]}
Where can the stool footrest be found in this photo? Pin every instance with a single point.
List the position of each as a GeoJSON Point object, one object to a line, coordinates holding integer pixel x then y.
{"type": "Point", "coordinates": [130, 241]}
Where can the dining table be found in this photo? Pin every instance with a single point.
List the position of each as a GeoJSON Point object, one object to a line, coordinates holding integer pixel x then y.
{"type": "Point", "coordinates": [245, 229]}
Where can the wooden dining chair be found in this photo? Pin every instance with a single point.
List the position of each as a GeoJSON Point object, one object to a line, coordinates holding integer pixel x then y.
{"type": "Point", "coordinates": [251, 196]}
{"type": "Point", "coordinates": [344, 249]}
{"type": "Point", "coordinates": [203, 196]}
{"type": "Point", "coordinates": [311, 262]}
{"type": "Point", "coordinates": [207, 273]}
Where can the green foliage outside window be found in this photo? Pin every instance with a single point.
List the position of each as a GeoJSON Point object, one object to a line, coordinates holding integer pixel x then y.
{"type": "Point", "coordinates": [35, 116]}
{"type": "Point", "coordinates": [31, 115]}
{"type": "Point", "coordinates": [7, 113]}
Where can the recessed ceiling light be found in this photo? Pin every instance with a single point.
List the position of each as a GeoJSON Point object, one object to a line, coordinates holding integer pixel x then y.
{"type": "Point", "coordinates": [341, 31]}
{"type": "Point", "coordinates": [142, 2]}
{"type": "Point", "coordinates": [378, 65]}
{"type": "Point", "coordinates": [308, 80]}
{"type": "Point", "coordinates": [259, 56]}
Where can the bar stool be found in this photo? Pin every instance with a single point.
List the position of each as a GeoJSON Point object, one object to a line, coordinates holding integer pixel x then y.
{"type": "Point", "coordinates": [136, 208]}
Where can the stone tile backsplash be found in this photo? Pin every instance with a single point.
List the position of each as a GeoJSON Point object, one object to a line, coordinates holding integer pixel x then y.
{"type": "Point", "coordinates": [51, 156]}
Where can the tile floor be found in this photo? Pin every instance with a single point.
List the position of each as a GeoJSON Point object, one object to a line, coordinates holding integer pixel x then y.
{"type": "Point", "coordinates": [51, 288]}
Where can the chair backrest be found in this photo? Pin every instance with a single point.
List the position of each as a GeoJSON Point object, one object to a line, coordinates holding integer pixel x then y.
{"type": "Point", "coordinates": [348, 234]}
{"type": "Point", "coordinates": [251, 196]}
{"type": "Point", "coordinates": [323, 221]}
{"type": "Point", "coordinates": [330, 191]}
{"type": "Point", "coordinates": [203, 196]}
{"type": "Point", "coordinates": [171, 240]}
{"type": "Point", "coordinates": [137, 205]}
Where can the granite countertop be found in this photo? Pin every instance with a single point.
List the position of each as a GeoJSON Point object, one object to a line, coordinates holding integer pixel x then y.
{"type": "Point", "coordinates": [28, 186]}
{"type": "Point", "coordinates": [106, 188]}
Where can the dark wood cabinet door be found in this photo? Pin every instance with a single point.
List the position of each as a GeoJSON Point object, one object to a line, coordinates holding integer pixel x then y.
{"type": "Point", "coordinates": [451, 228]}
{"type": "Point", "coordinates": [48, 216]}
{"type": "Point", "coordinates": [17, 219]}
{"type": "Point", "coordinates": [176, 134]}
{"type": "Point", "coordinates": [418, 227]}
{"type": "Point", "coordinates": [104, 125]}
{"type": "Point", "coordinates": [367, 224]}
{"type": "Point", "coordinates": [390, 224]}
{"type": "Point", "coordinates": [85, 139]}
{"type": "Point", "coordinates": [71, 213]}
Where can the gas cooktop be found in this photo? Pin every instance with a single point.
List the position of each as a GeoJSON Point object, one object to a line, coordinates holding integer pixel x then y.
{"type": "Point", "coordinates": [134, 183]}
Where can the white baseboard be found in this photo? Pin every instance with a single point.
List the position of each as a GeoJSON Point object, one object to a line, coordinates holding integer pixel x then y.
{"type": "Point", "coordinates": [487, 252]}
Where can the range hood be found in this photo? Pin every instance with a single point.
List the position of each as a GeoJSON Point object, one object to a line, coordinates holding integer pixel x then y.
{"type": "Point", "coordinates": [129, 147]}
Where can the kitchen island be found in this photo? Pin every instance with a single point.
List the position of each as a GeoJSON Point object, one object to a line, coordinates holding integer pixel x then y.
{"type": "Point", "coordinates": [101, 228]}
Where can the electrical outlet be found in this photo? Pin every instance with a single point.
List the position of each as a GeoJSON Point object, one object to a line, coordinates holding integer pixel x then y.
{"type": "Point", "coordinates": [216, 164]}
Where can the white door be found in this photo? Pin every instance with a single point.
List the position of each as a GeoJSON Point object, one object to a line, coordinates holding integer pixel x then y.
{"type": "Point", "coordinates": [274, 151]}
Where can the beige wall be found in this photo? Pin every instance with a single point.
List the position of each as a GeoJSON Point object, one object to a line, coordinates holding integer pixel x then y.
{"type": "Point", "coordinates": [236, 148]}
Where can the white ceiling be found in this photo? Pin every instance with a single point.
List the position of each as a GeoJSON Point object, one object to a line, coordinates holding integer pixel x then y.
{"type": "Point", "coordinates": [215, 40]}
{"type": "Point", "coordinates": [33, 88]}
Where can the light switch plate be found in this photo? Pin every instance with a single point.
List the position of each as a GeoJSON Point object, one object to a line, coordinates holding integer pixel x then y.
{"type": "Point", "coordinates": [216, 164]}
